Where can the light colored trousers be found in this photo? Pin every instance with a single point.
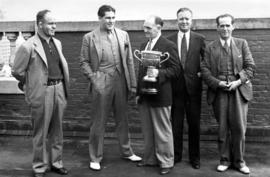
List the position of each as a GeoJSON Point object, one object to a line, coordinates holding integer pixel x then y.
{"type": "Point", "coordinates": [47, 121]}
{"type": "Point", "coordinates": [158, 136]}
{"type": "Point", "coordinates": [112, 98]}
{"type": "Point", "coordinates": [231, 113]}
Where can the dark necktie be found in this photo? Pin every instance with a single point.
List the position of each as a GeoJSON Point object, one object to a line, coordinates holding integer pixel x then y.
{"type": "Point", "coordinates": [184, 50]}
{"type": "Point", "coordinates": [149, 45]}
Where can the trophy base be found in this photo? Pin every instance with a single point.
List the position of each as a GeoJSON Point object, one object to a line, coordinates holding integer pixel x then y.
{"type": "Point", "coordinates": [150, 91]}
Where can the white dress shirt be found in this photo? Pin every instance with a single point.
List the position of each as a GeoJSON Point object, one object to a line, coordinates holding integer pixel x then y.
{"type": "Point", "coordinates": [179, 41]}
{"type": "Point", "coordinates": [154, 41]}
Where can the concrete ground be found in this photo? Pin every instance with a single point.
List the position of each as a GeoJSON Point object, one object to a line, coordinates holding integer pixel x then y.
{"type": "Point", "coordinates": [15, 160]}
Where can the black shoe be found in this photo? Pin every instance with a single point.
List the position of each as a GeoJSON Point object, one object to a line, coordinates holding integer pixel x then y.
{"type": "Point", "coordinates": [141, 164]}
{"type": "Point", "coordinates": [195, 165]}
{"type": "Point", "coordinates": [164, 171]}
{"type": "Point", "coordinates": [61, 171]}
{"type": "Point", "coordinates": [39, 174]}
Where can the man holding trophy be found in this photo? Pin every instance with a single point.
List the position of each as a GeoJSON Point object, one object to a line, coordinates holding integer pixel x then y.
{"type": "Point", "coordinates": [159, 63]}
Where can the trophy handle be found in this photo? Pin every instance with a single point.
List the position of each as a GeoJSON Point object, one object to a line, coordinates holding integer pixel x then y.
{"type": "Point", "coordinates": [167, 55]}
{"type": "Point", "coordinates": [135, 54]}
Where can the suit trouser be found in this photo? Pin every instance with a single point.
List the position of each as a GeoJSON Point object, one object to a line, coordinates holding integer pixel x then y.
{"type": "Point", "coordinates": [231, 113]}
{"type": "Point", "coordinates": [191, 107]}
{"type": "Point", "coordinates": [113, 96]}
{"type": "Point", "coordinates": [158, 137]}
{"type": "Point", "coordinates": [47, 122]}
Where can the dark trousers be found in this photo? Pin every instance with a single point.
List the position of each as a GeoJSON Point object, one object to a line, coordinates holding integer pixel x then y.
{"type": "Point", "coordinates": [231, 113]}
{"type": "Point", "coordinates": [191, 107]}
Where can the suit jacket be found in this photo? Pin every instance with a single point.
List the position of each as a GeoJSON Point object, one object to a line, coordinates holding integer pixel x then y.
{"type": "Point", "coordinates": [91, 54]}
{"type": "Point", "coordinates": [168, 70]}
{"type": "Point", "coordinates": [243, 67]}
{"type": "Point", "coordinates": [31, 68]}
{"type": "Point", "coordinates": [193, 81]}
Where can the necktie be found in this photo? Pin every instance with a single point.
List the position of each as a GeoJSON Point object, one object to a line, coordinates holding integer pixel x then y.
{"type": "Point", "coordinates": [110, 35]}
{"type": "Point", "coordinates": [149, 45]}
{"type": "Point", "coordinates": [226, 47]}
{"type": "Point", "coordinates": [183, 50]}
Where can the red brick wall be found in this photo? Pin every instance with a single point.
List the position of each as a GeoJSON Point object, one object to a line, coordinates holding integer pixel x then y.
{"type": "Point", "coordinates": [14, 113]}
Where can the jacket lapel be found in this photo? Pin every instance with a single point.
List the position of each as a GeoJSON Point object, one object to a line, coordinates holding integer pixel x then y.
{"type": "Point", "coordinates": [39, 49]}
{"type": "Point", "coordinates": [235, 52]}
{"type": "Point", "coordinates": [191, 44]}
{"type": "Point", "coordinates": [121, 42]}
{"type": "Point", "coordinates": [97, 43]}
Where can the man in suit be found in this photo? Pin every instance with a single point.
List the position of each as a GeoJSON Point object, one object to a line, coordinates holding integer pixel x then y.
{"type": "Point", "coordinates": [42, 70]}
{"type": "Point", "coordinates": [227, 69]}
{"type": "Point", "coordinates": [155, 109]}
{"type": "Point", "coordinates": [106, 60]}
{"type": "Point", "coordinates": [187, 90]}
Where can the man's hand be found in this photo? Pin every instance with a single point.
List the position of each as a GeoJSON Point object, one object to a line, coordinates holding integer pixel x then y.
{"type": "Point", "coordinates": [234, 84]}
{"type": "Point", "coordinates": [223, 84]}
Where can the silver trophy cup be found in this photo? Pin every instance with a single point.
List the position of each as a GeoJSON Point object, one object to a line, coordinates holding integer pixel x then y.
{"type": "Point", "coordinates": [150, 60]}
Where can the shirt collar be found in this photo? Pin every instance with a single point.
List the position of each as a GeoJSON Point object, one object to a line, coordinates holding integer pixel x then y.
{"type": "Point", "coordinates": [181, 34]}
{"type": "Point", "coordinates": [154, 40]}
{"type": "Point", "coordinates": [223, 42]}
{"type": "Point", "coordinates": [45, 39]}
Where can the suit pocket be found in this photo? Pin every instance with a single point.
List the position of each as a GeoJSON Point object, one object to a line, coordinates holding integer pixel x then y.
{"type": "Point", "coordinates": [99, 81]}
{"type": "Point", "coordinates": [246, 91]}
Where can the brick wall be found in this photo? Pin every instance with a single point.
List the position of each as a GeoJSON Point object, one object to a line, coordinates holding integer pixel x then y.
{"type": "Point", "coordinates": [14, 113]}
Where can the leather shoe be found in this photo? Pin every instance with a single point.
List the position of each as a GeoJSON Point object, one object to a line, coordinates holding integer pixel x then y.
{"type": "Point", "coordinates": [141, 164]}
{"type": "Point", "coordinates": [39, 174]}
{"type": "Point", "coordinates": [164, 171]}
{"type": "Point", "coordinates": [195, 165]}
{"type": "Point", "coordinates": [61, 171]}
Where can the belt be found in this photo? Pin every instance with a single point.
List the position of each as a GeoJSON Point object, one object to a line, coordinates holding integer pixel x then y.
{"type": "Point", "coordinates": [53, 81]}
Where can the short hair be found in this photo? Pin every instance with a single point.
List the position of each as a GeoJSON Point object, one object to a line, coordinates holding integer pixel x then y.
{"type": "Point", "coordinates": [41, 14]}
{"type": "Point", "coordinates": [105, 8]}
{"type": "Point", "coordinates": [158, 21]}
{"type": "Point", "coordinates": [223, 16]}
{"type": "Point", "coordinates": [183, 9]}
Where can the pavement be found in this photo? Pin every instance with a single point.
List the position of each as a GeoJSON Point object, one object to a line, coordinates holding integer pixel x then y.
{"type": "Point", "coordinates": [16, 157]}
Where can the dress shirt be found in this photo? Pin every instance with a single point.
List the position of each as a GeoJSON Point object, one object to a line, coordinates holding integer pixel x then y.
{"type": "Point", "coordinates": [180, 36]}
{"type": "Point", "coordinates": [223, 42]}
{"type": "Point", "coordinates": [154, 41]}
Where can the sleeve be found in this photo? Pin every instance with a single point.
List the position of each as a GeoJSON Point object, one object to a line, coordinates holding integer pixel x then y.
{"type": "Point", "coordinates": [247, 72]}
{"type": "Point", "coordinates": [172, 68]}
{"type": "Point", "coordinates": [21, 61]}
{"type": "Point", "coordinates": [85, 57]}
{"type": "Point", "coordinates": [207, 75]}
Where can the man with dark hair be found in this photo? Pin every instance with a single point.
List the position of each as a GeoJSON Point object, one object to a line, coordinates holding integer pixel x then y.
{"type": "Point", "coordinates": [227, 69]}
{"type": "Point", "coordinates": [42, 70]}
{"type": "Point", "coordinates": [106, 60]}
{"type": "Point", "coordinates": [187, 89]}
{"type": "Point", "coordinates": [155, 109]}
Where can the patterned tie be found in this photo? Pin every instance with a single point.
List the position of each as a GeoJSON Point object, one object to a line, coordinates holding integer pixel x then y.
{"type": "Point", "coordinates": [110, 35]}
{"type": "Point", "coordinates": [184, 50]}
{"type": "Point", "coordinates": [226, 46]}
{"type": "Point", "coordinates": [149, 45]}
